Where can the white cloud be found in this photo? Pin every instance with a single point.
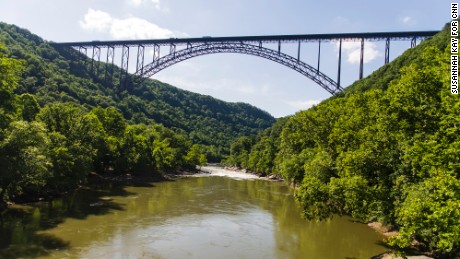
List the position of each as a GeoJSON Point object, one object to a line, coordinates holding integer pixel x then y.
{"type": "Point", "coordinates": [136, 28]}
{"type": "Point", "coordinates": [96, 20]}
{"type": "Point", "coordinates": [406, 19]}
{"type": "Point", "coordinates": [303, 105]}
{"type": "Point", "coordinates": [352, 51]}
{"type": "Point", "coordinates": [128, 28]}
{"type": "Point", "coordinates": [136, 3]}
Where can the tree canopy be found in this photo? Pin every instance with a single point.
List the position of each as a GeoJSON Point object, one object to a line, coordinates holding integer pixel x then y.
{"type": "Point", "coordinates": [55, 74]}
{"type": "Point", "coordinates": [385, 150]}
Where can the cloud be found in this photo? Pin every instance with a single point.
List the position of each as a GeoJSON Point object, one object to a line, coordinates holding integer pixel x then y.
{"type": "Point", "coordinates": [352, 51]}
{"type": "Point", "coordinates": [96, 20]}
{"type": "Point", "coordinates": [407, 20]}
{"type": "Point", "coordinates": [137, 3]}
{"type": "Point", "coordinates": [136, 28]}
{"type": "Point", "coordinates": [128, 28]}
{"type": "Point", "coordinates": [303, 105]}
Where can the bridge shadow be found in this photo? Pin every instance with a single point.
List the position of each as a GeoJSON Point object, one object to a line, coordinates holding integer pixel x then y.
{"type": "Point", "coordinates": [23, 227]}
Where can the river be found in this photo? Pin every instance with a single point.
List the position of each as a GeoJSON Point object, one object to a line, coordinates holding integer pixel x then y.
{"type": "Point", "coordinates": [206, 216]}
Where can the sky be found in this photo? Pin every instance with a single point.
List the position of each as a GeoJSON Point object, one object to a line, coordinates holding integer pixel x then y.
{"type": "Point", "coordinates": [236, 77]}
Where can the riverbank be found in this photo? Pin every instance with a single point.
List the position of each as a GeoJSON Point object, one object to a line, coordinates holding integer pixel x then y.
{"type": "Point", "coordinates": [97, 179]}
{"type": "Point", "coordinates": [385, 230]}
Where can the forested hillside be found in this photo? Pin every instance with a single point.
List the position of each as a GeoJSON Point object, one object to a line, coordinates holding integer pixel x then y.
{"type": "Point", "coordinates": [48, 150]}
{"type": "Point", "coordinates": [59, 123]}
{"type": "Point", "coordinates": [386, 150]}
{"type": "Point", "coordinates": [54, 74]}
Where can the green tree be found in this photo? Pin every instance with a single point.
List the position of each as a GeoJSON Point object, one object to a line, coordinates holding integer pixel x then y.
{"type": "Point", "coordinates": [29, 107]}
{"type": "Point", "coordinates": [75, 135]}
{"type": "Point", "coordinates": [112, 120]}
{"type": "Point", "coordinates": [10, 73]}
{"type": "Point", "coordinates": [429, 213]}
{"type": "Point", "coordinates": [195, 156]}
{"type": "Point", "coordinates": [24, 164]}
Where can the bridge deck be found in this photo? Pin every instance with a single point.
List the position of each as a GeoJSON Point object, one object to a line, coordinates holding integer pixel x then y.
{"type": "Point", "coordinates": [251, 45]}
{"type": "Point", "coordinates": [257, 39]}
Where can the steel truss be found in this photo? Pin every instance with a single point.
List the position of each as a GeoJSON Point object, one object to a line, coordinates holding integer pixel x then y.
{"type": "Point", "coordinates": [184, 48]}
{"type": "Point", "coordinates": [241, 48]}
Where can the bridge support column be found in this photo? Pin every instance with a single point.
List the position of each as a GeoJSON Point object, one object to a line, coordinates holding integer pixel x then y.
{"type": "Point", "coordinates": [387, 51]}
{"type": "Point", "coordinates": [339, 69]}
{"type": "Point", "coordinates": [156, 53]}
{"type": "Point", "coordinates": [140, 58]}
{"type": "Point", "coordinates": [124, 66]}
{"type": "Point", "coordinates": [319, 54]}
{"type": "Point", "coordinates": [110, 59]}
{"type": "Point", "coordinates": [298, 51]}
{"type": "Point", "coordinates": [172, 50]}
{"type": "Point", "coordinates": [95, 57]}
{"type": "Point", "coordinates": [84, 51]}
{"type": "Point", "coordinates": [361, 60]}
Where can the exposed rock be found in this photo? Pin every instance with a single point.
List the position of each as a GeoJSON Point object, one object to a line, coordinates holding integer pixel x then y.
{"type": "Point", "coordinates": [387, 231]}
{"type": "Point", "coordinates": [389, 255]}
{"type": "Point", "coordinates": [275, 177]}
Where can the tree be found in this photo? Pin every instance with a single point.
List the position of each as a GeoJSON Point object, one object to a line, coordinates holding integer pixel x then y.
{"type": "Point", "coordinates": [112, 120]}
{"type": "Point", "coordinates": [24, 164]}
{"type": "Point", "coordinates": [29, 107]}
{"type": "Point", "coordinates": [195, 156]}
{"type": "Point", "coordinates": [10, 72]}
{"type": "Point", "coordinates": [429, 213]}
{"type": "Point", "coordinates": [75, 136]}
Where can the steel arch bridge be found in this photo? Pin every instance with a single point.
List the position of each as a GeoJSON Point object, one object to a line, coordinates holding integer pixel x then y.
{"type": "Point", "coordinates": [181, 49]}
{"type": "Point", "coordinates": [221, 47]}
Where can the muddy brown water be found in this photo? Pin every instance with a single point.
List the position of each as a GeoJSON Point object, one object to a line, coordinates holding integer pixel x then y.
{"type": "Point", "coordinates": [195, 217]}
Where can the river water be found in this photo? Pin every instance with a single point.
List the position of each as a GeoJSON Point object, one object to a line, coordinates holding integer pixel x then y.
{"type": "Point", "coordinates": [194, 217]}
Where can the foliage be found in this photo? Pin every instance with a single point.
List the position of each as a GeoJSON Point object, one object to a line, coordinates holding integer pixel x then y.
{"type": "Point", "coordinates": [386, 149]}
{"type": "Point", "coordinates": [44, 150]}
{"type": "Point", "coordinates": [10, 72]}
{"type": "Point", "coordinates": [56, 74]}
{"type": "Point", "coordinates": [429, 213]}
{"type": "Point", "coordinates": [24, 163]}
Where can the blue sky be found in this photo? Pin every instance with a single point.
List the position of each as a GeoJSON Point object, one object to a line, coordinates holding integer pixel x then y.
{"type": "Point", "coordinates": [235, 77]}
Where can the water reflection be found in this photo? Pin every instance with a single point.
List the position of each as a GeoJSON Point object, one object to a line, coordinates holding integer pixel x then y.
{"type": "Point", "coordinates": [204, 217]}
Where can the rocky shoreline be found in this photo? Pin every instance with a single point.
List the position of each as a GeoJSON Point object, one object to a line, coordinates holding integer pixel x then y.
{"type": "Point", "coordinates": [389, 231]}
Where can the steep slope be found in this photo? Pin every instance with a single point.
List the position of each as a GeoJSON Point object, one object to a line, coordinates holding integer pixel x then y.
{"type": "Point", "coordinates": [385, 150]}
{"type": "Point", "coordinates": [382, 77]}
{"type": "Point", "coordinates": [55, 74]}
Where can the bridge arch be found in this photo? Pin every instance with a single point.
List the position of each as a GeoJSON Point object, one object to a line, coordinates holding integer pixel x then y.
{"type": "Point", "coordinates": [241, 48]}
